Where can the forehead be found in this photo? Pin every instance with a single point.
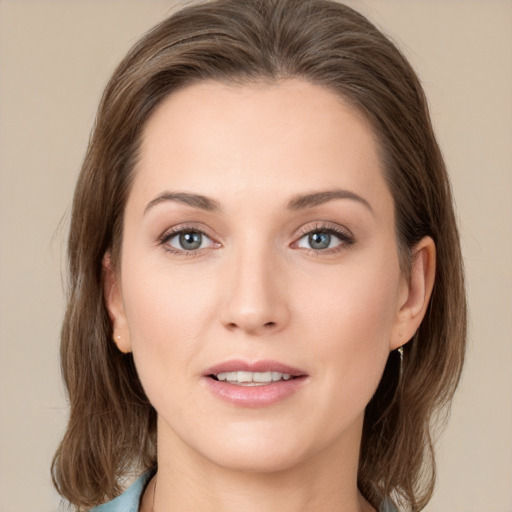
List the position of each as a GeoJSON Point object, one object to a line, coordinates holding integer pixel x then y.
{"type": "Point", "coordinates": [260, 138]}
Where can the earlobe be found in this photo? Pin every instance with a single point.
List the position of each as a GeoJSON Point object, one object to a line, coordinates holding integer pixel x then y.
{"type": "Point", "coordinates": [114, 303]}
{"type": "Point", "coordinates": [417, 291]}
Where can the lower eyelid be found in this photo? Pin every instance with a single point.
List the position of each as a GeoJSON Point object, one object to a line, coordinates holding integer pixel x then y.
{"type": "Point", "coordinates": [340, 246]}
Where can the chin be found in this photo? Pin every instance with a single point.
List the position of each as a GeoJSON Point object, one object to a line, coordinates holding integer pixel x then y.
{"type": "Point", "coordinates": [258, 459]}
{"type": "Point", "coordinates": [268, 449]}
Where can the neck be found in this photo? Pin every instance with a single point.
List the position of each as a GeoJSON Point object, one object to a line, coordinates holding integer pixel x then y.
{"type": "Point", "coordinates": [325, 481]}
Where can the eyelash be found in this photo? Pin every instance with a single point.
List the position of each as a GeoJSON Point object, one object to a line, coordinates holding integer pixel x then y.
{"type": "Point", "coordinates": [345, 237]}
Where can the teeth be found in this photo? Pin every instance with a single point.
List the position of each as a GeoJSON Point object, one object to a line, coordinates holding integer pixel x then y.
{"type": "Point", "coordinates": [252, 378]}
{"type": "Point", "coordinates": [244, 376]}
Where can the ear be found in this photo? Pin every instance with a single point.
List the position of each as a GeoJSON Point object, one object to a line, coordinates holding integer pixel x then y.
{"type": "Point", "coordinates": [115, 306]}
{"type": "Point", "coordinates": [415, 293]}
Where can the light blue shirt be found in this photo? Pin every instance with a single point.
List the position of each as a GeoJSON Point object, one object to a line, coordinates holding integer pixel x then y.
{"type": "Point", "coordinates": [129, 501]}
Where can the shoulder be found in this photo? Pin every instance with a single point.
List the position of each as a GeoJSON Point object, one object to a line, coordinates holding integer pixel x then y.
{"type": "Point", "coordinates": [129, 500]}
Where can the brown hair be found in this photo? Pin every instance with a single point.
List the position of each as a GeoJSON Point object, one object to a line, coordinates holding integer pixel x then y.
{"type": "Point", "coordinates": [112, 425]}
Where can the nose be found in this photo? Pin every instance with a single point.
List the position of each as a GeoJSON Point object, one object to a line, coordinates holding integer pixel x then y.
{"type": "Point", "coordinates": [255, 295]}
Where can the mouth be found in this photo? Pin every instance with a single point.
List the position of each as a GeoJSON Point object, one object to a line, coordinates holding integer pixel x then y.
{"type": "Point", "coordinates": [254, 384]}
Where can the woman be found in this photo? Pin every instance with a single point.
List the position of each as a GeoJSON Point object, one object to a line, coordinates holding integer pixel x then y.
{"type": "Point", "coordinates": [266, 304]}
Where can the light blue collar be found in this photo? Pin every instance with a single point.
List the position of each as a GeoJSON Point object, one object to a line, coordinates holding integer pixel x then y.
{"type": "Point", "coordinates": [129, 501]}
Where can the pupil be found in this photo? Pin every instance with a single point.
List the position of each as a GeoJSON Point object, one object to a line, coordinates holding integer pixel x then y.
{"type": "Point", "coordinates": [319, 240]}
{"type": "Point", "coordinates": [190, 240]}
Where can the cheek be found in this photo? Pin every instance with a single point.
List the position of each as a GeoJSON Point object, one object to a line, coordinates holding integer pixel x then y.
{"type": "Point", "coordinates": [349, 324]}
{"type": "Point", "coordinates": [167, 312]}
{"type": "Point", "coordinates": [356, 303]}
{"type": "Point", "coordinates": [167, 301]}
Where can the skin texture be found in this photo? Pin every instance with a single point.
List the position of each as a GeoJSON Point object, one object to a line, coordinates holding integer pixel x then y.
{"type": "Point", "coordinates": [257, 290]}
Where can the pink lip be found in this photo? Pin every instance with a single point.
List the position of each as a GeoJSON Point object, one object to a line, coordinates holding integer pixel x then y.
{"type": "Point", "coordinates": [254, 396]}
{"type": "Point", "coordinates": [255, 366]}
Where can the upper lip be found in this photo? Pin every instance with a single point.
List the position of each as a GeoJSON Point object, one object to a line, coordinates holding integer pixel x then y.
{"type": "Point", "coordinates": [234, 365]}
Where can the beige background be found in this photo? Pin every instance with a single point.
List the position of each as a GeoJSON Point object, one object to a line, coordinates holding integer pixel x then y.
{"type": "Point", "coordinates": [55, 57]}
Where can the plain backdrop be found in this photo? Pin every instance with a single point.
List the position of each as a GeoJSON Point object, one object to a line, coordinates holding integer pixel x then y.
{"type": "Point", "coordinates": [55, 58]}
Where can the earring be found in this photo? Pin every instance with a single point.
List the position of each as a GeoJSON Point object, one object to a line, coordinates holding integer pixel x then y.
{"type": "Point", "coordinates": [400, 351]}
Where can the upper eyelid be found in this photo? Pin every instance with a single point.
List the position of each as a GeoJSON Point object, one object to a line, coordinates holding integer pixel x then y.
{"type": "Point", "coordinates": [325, 226]}
{"type": "Point", "coordinates": [180, 228]}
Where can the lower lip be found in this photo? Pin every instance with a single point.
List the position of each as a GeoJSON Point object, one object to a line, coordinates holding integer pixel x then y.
{"type": "Point", "coordinates": [254, 396]}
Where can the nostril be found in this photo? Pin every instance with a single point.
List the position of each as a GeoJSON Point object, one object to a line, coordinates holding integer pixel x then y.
{"type": "Point", "coordinates": [252, 325]}
{"type": "Point", "coordinates": [233, 325]}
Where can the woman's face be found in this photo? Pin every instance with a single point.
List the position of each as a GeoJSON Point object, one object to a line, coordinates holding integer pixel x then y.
{"type": "Point", "coordinates": [259, 238]}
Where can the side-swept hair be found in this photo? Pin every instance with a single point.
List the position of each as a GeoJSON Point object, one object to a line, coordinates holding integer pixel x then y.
{"type": "Point", "coordinates": [112, 425]}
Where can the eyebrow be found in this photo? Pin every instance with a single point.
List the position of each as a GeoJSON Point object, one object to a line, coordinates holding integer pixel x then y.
{"type": "Point", "coordinates": [317, 198]}
{"type": "Point", "coordinates": [298, 202]}
{"type": "Point", "coordinates": [195, 200]}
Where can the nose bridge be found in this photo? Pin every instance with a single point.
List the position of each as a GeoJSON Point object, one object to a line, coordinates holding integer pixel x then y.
{"type": "Point", "coordinates": [255, 301]}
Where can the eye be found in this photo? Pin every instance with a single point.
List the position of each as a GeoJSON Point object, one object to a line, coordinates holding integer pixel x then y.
{"type": "Point", "coordinates": [319, 240]}
{"type": "Point", "coordinates": [187, 240]}
{"type": "Point", "coordinates": [324, 239]}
